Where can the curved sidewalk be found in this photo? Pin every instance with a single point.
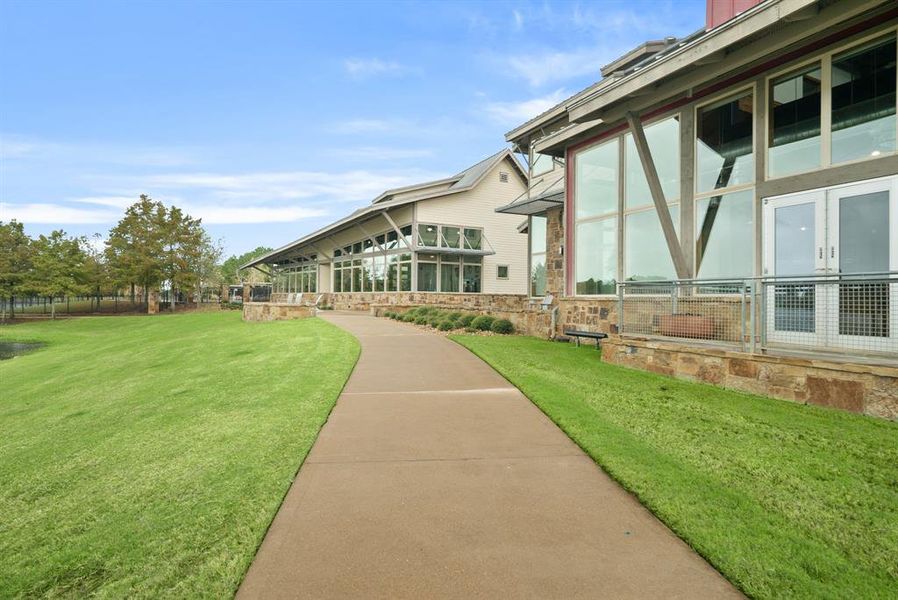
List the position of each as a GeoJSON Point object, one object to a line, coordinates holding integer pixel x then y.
{"type": "Point", "coordinates": [435, 478]}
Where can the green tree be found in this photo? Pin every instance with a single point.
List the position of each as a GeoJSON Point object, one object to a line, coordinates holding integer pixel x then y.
{"type": "Point", "coordinates": [134, 249]}
{"type": "Point", "coordinates": [58, 266]}
{"type": "Point", "coordinates": [230, 266]}
{"type": "Point", "coordinates": [15, 261]}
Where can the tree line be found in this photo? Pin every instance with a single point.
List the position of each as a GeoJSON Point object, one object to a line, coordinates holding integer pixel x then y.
{"type": "Point", "coordinates": [150, 247]}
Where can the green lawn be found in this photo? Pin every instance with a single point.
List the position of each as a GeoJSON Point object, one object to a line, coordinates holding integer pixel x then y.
{"type": "Point", "coordinates": [787, 501]}
{"type": "Point", "coordinates": [146, 456]}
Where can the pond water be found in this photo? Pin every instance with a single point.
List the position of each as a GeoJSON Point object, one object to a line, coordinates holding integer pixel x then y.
{"type": "Point", "coordinates": [11, 349]}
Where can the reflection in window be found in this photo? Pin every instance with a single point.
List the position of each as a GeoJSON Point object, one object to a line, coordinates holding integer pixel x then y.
{"type": "Point", "coordinates": [449, 274]}
{"type": "Point", "coordinates": [595, 180]}
{"type": "Point", "coordinates": [794, 123]}
{"type": "Point", "coordinates": [645, 252]}
{"type": "Point", "coordinates": [664, 144]}
{"type": "Point", "coordinates": [596, 257]}
{"type": "Point", "coordinates": [863, 102]}
{"type": "Point", "coordinates": [725, 235]}
{"type": "Point", "coordinates": [472, 272]}
{"type": "Point", "coordinates": [427, 235]}
{"type": "Point", "coordinates": [473, 239]}
{"type": "Point", "coordinates": [427, 275]}
{"type": "Point", "coordinates": [537, 256]}
{"type": "Point", "coordinates": [451, 237]}
{"type": "Point", "coordinates": [405, 277]}
{"type": "Point", "coordinates": [724, 154]}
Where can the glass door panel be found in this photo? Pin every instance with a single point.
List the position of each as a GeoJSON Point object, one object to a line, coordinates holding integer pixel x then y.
{"type": "Point", "coordinates": [793, 248]}
{"type": "Point", "coordinates": [862, 240]}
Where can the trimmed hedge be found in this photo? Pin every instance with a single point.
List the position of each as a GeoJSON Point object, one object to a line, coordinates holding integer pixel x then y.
{"type": "Point", "coordinates": [483, 322]}
{"type": "Point", "coordinates": [503, 326]}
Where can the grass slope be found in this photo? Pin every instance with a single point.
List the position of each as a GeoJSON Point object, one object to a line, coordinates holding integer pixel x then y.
{"type": "Point", "coordinates": [787, 501]}
{"type": "Point", "coordinates": [145, 457]}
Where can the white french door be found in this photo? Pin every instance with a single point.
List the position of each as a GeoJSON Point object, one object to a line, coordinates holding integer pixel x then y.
{"type": "Point", "coordinates": [835, 235]}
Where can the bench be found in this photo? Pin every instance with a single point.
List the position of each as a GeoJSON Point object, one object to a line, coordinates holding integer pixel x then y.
{"type": "Point", "coordinates": [586, 334]}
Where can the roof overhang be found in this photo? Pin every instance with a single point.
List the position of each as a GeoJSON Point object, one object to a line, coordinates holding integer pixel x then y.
{"type": "Point", "coordinates": [696, 60]}
{"type": "Point", "coordinates": [533, 206]}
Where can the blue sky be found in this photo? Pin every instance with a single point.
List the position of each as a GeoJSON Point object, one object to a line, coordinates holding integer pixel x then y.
{"type": "Point", "coordinates": [270, 119]}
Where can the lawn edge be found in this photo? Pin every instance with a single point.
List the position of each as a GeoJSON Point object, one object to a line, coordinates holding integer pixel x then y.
{"type": "Point", "coordinates": [327, 417]}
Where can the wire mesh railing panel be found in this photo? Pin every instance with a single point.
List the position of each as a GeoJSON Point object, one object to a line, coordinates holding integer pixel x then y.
{"type": "Point", "coordinates": [852, 315]}
{"type": "Point", "coordinates": [707, 311]}
{"type": "Point", "coordinates": [848, 313]}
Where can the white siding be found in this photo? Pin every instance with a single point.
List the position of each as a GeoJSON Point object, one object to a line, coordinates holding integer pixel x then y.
{"type": "Point", "coordinates": [477, 207]}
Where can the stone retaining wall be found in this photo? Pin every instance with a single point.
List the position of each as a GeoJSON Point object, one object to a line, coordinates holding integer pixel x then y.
{"type": "Point", "coordinates": [868, 389]}
{"type": "Point", "coordinates": [275, 311]}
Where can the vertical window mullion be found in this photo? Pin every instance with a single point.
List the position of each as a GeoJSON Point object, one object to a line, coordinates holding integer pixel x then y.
{"type": "Point", "coordinates": [826, 110]}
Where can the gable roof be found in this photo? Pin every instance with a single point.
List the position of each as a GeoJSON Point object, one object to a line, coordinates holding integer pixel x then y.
{"type": "Point", "coordinates": [463, 181]}
{"type": "Point", "coordinates": [460, 182]}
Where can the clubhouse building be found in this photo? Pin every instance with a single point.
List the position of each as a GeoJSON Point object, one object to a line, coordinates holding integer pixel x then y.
{"type": "Point", "coordinates": [425, 243]}
{"type": "Point", "coordinates": [724, 206]}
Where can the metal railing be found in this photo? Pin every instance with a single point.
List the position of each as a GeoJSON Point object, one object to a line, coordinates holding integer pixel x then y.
{"type": "Point", "coordinates": [849, 314]}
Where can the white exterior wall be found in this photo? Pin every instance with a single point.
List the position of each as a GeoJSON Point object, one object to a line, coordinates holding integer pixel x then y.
{"type": "Point", "coordinates": [477, 208]}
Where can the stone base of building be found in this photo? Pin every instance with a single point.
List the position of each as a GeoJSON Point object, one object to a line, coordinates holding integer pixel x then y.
{"type": "Point", "coordinates": [867, 389]}
{"type": "Point", "coordinates": [526, 315]}
{"type": "Point", "coordinates": [275, 311]}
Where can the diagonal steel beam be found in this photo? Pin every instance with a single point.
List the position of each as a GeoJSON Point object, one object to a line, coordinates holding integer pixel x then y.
{"type": "Point", "coordinates": [396, 229]}
{"type": "Point", "coordinates": [651, 176]}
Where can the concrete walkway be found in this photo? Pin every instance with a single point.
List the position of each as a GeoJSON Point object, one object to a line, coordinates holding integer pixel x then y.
{"type": "Point", "coordinates": [435, 478]}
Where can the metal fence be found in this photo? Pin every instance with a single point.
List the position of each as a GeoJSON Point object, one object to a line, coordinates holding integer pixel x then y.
{"type": "Point", "coordinates": [34, 306]}
{"type": "Point", "coordinates": [854, 314]}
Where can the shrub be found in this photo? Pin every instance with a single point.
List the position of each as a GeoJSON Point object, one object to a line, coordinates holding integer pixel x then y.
{"type": "Point", "coordinates": [470, 330]}
{"type": "Point", "coordinates": [465, 319]}
{"type": "Point", "coordinates": [389, 314]}
{"type": "Point", "coordinates": [434, 320]}
{"type": "Point", "coordinates": [421, 320]}
{"type": "Point", "coordinates": [446, 325]}
{"type": "Point", "coordinates": [409, 317]}
{"type": "Point", "coordinates": [454, 316]}
{"type": "Point", "coordinates": [483, 322]}
{"type": "Point", "coordinates": [502, 326]}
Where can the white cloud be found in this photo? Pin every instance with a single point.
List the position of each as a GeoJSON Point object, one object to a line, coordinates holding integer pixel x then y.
{"type": "Point", "coordinates": [553, 66]}
{"type": "Point", "coordinates": [515, 113]}
{"type": "Point", "coordinates": [41, 213]}
{"type": "Point", "coordinates": [361, 68]}
{"type": "Point", "coordinates": [218, 215]}
{"type": "Point", "coordinates": [380, 153]}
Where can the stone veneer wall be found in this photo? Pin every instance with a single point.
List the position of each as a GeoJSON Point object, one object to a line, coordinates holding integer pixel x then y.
{"type": "Point", "coordinates": [273, 311]}
{"type": "Point", "coordinates": [526, 315]}
{"type": "Point", "coordinates": [554, 259]}
{"type": "Point", "coordinates": [868, 389]}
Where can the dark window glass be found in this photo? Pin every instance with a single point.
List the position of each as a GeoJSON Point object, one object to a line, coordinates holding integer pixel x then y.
{"type": "Point", "coordinates": [427, 277]}
{"type": "Point", "coordinates": [863, 102]}
{"type": "Point", "coordinates": [473, 239]}
{"type": "Point", "coordinates": [794, 135]}
{"type": "Point", "coordinates": [472, 279]}
{"type": "Point", "coordinates": [449, 273]}
{"type": "Point", "coordinates": [724, 153]}
{"type": "Point", "coordinates": [427, 235]}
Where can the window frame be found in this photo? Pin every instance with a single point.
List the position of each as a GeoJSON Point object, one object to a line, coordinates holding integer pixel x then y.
{"type": "Point", "coordinates": [825, 60]}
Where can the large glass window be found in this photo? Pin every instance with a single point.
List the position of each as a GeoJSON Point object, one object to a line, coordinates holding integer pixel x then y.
{"type": "Point", "coordinates": [595, 180]}
{"type": "Point", "coordinates": [449, 274]}
{"type": "Point", "coordinates": [428, 235]}
{"type": "Point", "coordinates": [347, 278]}
{"type": "Point", "coordinates": [725, 235]}
{"type": "Point", "coordinates": [646, 254]}
{"type": "Point", "coordinates": [405, 276]}
{"type": "Point", "coordinates": [537, 232]}
{"type": "Point", "coordinates": [794, 134]}
{"type": "Point", "coordinates": [863, 102]}
{"type": "Point", "coordinates": [664, 144]}
{"type": "Point", "coordinates": [724, 150]}
{"type": "Point", "coordinates": [473, 239]}
{"type": "Point", "coordinates": [451, 237]}
{"type": "Point", "coordinates": [472, 274]}
{"type": "Point", "coordinates": [427, 272]}
{"type": "Point", "coordinates": [596, 257]}
{"type": "Point", "coordinates": [379, 272]}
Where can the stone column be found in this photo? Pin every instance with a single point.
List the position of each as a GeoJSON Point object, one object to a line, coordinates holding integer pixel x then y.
{"type": "Point", "coordinates": [153, 302]}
